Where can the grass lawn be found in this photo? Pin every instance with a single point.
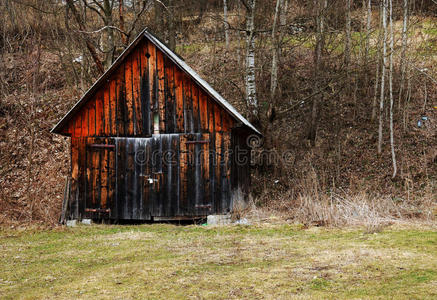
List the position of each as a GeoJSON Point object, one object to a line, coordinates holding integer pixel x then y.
{"type": "Point", "coordinates": [261, 261]}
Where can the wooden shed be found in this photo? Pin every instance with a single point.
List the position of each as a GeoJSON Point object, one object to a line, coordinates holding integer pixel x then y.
{"type": "Point", "coordinates": [151, 140]}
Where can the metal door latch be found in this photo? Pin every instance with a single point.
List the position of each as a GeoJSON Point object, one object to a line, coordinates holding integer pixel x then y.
{"type": "Point", "coordinates": [149, 179]}
{"type": "Point", "coordinates": [152, 180]}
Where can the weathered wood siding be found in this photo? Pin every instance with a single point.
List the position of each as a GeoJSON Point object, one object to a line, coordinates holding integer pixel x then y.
{"type": "Point", "coordinates": [145, 83]}
{"type": "Point", "coordinates": [165, 175]}
{"type": "Point", "coordinates": [115, 128]}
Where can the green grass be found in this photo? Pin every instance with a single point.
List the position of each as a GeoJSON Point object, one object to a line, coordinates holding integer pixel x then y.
{"type": "Point", "coordinates": [261, 261]}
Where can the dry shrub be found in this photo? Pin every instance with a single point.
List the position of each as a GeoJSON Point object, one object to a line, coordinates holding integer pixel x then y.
{"type": "Point", "coordinates": [311, 205]}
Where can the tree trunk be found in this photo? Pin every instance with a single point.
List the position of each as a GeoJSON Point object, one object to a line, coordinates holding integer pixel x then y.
{"type": "Point", "coordinates": [275, 53]}
{"type": "Point", "coordinates": [252, 102]}
{"type": "Point", "coordinates": [89, 45]}
{"type": "Point", "coordinates": [226, 23]}
{"type": "Point", "coordinates": [108, 35]}
{"type": "Point", "coordinates": [347, 46]}
{"type": "Point", "coordinates": [283, 13]}
{"type": "Point", "coordinates": [392, 142]}
{"type": "Point", "coordinates": [318, 67]}
{"type": "Point", "coordinates": [368, 31]}
{"type": "Point", "coordinates": [159, 19]}
{"type": "Point", "coordinates": [384, 63]}
{"type": "Point", "coordinates": [121, 17]}
{"type": "Point", "coordinates": [403, 52]}
{"type": "Point", "coordinates": [171, 26]}
{"type": "Point", "coordinates": [378, 66]}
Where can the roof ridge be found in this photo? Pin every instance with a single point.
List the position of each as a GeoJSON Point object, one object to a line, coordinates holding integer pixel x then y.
{"type": "Point", "coordinates": [176, 59]}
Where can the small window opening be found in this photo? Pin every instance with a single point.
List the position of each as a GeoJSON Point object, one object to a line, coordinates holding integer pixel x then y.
{"type": "Point", "coordinates": [155, 122]}
{"type": "Point", "coordinates": [147, 55]}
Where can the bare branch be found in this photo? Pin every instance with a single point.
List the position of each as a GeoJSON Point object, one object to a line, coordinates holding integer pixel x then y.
{"type": "Point", "coordinates": [137, 17]}
{"type": "Point", "coordinates": [94, 9]}
{"type": "Point", "coordinates": [103, 28]}
{"type": "Point", "coordinates": [99, 5]}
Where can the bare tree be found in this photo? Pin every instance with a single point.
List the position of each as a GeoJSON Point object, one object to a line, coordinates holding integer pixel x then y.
{"type": "Point", "coordinates": [321, 6]}
{"type": "Point", "coordinates": [283, 13]}
{"type": "Point", "coordinates": [89, 45]}
{"type": "Point", "coordinates": [108, 34]}
{"type": "Point", "coordinates": [384, 66]}
{"type": "Point", "coordinates": [171, 25]}
{"type": "Point", "coordinates": [226, 23]}
{"type": "Point", "coordinates": [392, 142]}
{"type": "Point", "coordinates": [275, 51]}
{"type": "Point", "coordinates": [368, 30]}
{"type": "Point", "coordinates": [251, 99]}
{"type": "Point", "coordinates": [347, 45]}
{"type": "Point", "coordinates": [403, 51]}
{"type": "Point", "coordinates": [122, 24]}
{"type": "Point", "coordinates": [378, 66]}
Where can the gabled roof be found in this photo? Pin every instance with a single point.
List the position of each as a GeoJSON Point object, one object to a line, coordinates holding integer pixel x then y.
{"type": "Point", "coordinates": [176, 59]}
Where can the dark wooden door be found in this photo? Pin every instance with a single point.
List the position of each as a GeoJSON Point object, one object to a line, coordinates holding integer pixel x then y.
{"type": "Point", "coordinates": [100, 178]}
{"type": "Point", "coordinates": [164, 176]}
{"type": "Point", "coordinates": [195, 175]}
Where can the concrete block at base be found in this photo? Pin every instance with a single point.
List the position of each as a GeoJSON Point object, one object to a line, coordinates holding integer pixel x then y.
{"type": "Point", "coordinates": [87, 221]}
{"type": "Point", "coordinates": [218, 219]}
{"type": "Point", "coordinates": [71, 223]}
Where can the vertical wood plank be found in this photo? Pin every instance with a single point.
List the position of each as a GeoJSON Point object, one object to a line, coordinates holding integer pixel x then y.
{"type": "Point", "coordinates": [111, 202]}
{"type": "Point", "coordinates": [179, 100]}
{"type": "Point", "coordinates": [129, 101]}
{"type": "Point", "coordinates": [175, 185]}
{"type": "Point", "coordinates": [81, 195]}
{"type": "Point", "coordinates": [203, 106]}
{"type": "Point", "coordinates": [99, 113]}
{"type": "Point", "coordinates": [122, 118]}
{"type": "Point", "coordinates": [170, 111]}
{"type": "Point", "coordinates": [205, 171]}
{"type": "Point", "coordinates": [145, 91]}
{"type": "Point", "coordinates": [134, 171]}
{"type": "Point", "coordinates": [92, 118]}
{"type": "Point", "coordinates": [136, 101]}
{"type": "Point", "coordinates": [227, 171]}
{"type": "Point", "coordinates": [218, 117]}
{"type": "Point", "coordinates": [75, 183]}
{"type": "Point", "coordinates": [196, 112]}
{"type": "Point", "coordinates": [184, 152]}
{"type": "Point", "coordinates": [161, 95]}
{"type": "Point", "coordinates": [188, 105]}
{"type": "Point", "coordinates": [121, 177]}
{"type": "Point", "coordinates": [130, 173]}
{"type": "Point", "coordinates": [113, 105]}
{"type": "Point", "coordinates": [211, 116]}
{"type": "Point", "coordinates": [153, 81]}
{"type": "Point", "coordinates": [107, 109]}
{"type": "Point", "coordinates": [218, 160]}
{"type": "Point", "coordinates": [165, 196]}
{"type": "Point", "coordinates": [190, 180]}
{"type": "Point", "coordinates": [227, 122]}
{"type": "Point", "coordinates": [77, 121]}
{"type": "Point", "coordinates": [104, 182]}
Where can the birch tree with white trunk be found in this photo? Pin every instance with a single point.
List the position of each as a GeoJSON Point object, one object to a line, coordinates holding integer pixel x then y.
{"type": "Point", "coordinates": [251, 99]}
